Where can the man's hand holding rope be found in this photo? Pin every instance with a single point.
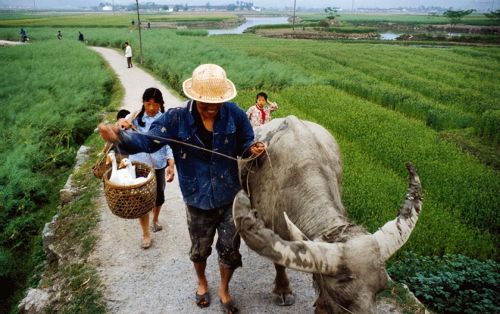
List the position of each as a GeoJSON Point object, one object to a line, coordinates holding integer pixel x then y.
{"type": "Point", "coordinates": [257, 148]}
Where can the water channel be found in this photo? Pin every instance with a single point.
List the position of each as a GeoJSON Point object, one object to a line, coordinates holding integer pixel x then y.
{"type": "Point", "coordinates": [389, 36]}
{"type": "Point", "coordinates": [250, 21]}
{"type": "Point", "coordinates": [253, 21]}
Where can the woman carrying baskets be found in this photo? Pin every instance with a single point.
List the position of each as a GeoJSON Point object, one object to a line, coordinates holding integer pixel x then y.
{"type": "Point", "coordinates": [162, 160]}
{"type": "Point", "coordinates": [208, 181]}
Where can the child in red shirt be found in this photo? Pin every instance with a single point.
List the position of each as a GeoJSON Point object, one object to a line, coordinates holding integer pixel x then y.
{"type": "Point", "coordinates": [260, 113]}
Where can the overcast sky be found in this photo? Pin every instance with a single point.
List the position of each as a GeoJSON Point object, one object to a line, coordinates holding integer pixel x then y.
{"type": "Point", "coordinates": [346, 4]}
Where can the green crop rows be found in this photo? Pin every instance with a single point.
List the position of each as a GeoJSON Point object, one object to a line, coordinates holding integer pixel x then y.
{"type": "Point", "coordinates": [364, 96]}
{"type": "Point", "coordinates": [52, 94]}
{"type": "Point", "coordinates": [385, 105]}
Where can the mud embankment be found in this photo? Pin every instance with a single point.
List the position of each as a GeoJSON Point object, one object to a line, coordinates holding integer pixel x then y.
{"type": "Point", "coordinates": [232, 23]}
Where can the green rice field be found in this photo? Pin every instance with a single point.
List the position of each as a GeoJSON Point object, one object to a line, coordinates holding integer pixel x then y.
{"type": "Point", "coordinates": [52, 94]}
{"type": "Point", "coordinates": [399, 18]}
{"type": "Point", "coordinates": [386, 104]}
{"type": "Point", "coordinates": [104, 19]}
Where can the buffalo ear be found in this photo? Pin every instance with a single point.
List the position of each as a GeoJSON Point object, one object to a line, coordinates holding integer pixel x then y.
{"type": "Point", "coordinates": [295, 233]}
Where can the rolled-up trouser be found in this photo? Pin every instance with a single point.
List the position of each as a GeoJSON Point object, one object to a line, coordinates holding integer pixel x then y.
{"type": "Point", "coordinates": [202, 225]}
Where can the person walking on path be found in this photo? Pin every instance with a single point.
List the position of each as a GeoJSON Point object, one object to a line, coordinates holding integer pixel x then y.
{"type": "Point", "coordinates": [59, 35]}
{"type": "Point", "coordinates": [260, 113]}
{"type": "Point", "coordinates": [128, 54]}
{"type": "Point", "coordinates": [208, 182]}
{"type": "Point", "coordinates": [162, 160]}
{"type": "Point", "coordinates": [22, 35]}
{"type": "Point", "coordinates": [80, 37]}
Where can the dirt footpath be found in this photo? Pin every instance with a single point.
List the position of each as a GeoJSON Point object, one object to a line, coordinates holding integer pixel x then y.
{"type": "Point", "coordinates": [10, 43]}
{"type": "Point", "coordinates": [162, 279]}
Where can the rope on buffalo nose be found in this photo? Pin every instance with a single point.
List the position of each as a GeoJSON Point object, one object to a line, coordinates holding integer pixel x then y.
{"type": "Point", "coordinates": [249, 163]}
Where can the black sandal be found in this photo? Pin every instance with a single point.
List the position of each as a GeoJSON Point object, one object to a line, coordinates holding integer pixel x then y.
{"type": "Point", "coordinates": [229, 307]}
{"type": "Point", "coordinates": [203, 300]}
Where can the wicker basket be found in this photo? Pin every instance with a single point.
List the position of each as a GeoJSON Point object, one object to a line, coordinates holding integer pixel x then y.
{"type": "Point", "coordinates": [131, 201]}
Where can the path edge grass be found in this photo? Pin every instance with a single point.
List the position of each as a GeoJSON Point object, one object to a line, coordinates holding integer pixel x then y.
{"type": "Point", "coordinates": [72, 281]}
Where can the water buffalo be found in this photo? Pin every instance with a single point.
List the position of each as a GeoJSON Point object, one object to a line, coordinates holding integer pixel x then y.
{"type": "Point", "coordinates": [291, 212]}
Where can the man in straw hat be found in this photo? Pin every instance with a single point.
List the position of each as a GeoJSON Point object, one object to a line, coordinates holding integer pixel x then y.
{"type": "Point", "coordinates": [208, 181]}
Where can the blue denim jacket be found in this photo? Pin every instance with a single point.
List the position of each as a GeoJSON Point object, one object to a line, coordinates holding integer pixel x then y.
{"type": "Point", "coordinates": [207, 181]}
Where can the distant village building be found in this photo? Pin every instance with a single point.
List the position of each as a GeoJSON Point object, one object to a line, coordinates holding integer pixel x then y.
{"type": "Point", "coordinates": [107, 8]}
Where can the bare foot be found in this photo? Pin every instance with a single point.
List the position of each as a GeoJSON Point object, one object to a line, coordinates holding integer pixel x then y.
{"type": "Point", "coordinates": [224, 296]}
{"type": "Point", "coordinates": [202, 287]}
{"type": "Point", "coordinates": [146, 243]}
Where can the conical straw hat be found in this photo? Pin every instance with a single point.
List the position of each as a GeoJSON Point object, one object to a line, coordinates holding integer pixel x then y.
{"type": "Point", "coordinates": [209, 84]}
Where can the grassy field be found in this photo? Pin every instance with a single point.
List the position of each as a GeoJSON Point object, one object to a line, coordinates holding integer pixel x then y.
{"type": "Point", "coordinates": [120, 19]}
{"type": "Point", "coordinates": [374, 18]}
{"type": "Point", "coordinates": [385, 105]}
{"type": "Point", "coordinates": [52, 95]}
{"type": "Point", "coordinates": [104, 19]}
